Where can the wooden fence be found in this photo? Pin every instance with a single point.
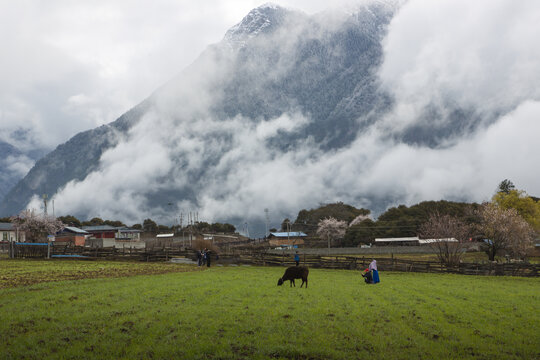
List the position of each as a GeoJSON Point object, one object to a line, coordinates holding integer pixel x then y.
{"type": "Point", "coordinates": [66, 250]}
{"type": "Point", "coordinates": [153, 254]}
{"type": "Point", "coordinates": [29, 250]}
{"type": "Point", "coordinates": [389, 264]}
{"type": "Point", "coordinates": [262, 258]}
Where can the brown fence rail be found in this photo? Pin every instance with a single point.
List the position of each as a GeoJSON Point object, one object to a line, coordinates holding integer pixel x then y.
{"type": "Point", "coordinates": [263, 258]}
{"type": "Point", "coordinates": [389, 264]}
{"type": "Point", "coordinates": [29, 250]}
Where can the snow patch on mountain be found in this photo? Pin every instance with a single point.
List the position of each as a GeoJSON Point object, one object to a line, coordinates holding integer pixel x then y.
{"type": "Point", "coordinates": [263, 19]}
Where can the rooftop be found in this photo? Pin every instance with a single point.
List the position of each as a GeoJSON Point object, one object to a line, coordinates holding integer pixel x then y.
{"type": "Point", "coordinates": [99, 228]}
{"type": "Point", "coordinates": [6, 226]}
{"type": "Point", "coordinates": [75, 230]}
{"type": "Point", "coordinates": [288, 234]}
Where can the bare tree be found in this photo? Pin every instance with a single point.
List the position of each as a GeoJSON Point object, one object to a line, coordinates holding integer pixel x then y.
{"type": "Point", "coordinates": [504, 229]}
{"type": "Point", "coordinates": [442, 230]}
{"type": "Point", "coordinates": [331, 229]}
{"type": "Point", "coordinates": [36, 226]}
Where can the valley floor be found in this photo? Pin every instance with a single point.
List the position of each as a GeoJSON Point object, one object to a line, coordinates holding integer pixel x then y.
{"type": "Point", "coordinates": [240, 313]}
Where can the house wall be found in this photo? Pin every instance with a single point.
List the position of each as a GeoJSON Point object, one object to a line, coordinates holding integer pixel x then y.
{"type": "Point", "coordinates": [9, 235]}
{"type": "Point", "coordinates": [104, 235]}
{"type": "Point", "coordinates": [290, 241]}
{"type": "Point", "coordinates": [107, 242]}
{"type": "Point", "coordinates": [128, 235]}
{"type": "Point", "coordinates": [77, 240]}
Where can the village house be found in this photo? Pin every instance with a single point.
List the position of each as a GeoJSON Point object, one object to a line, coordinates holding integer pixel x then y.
{"type": "Point", "coordinates": [110, 236]}
{"type": "Point", "coordinates": [72, 235]}
{"type": "Point", "coordinates": [128, 234]}
{"type": "Point", "coordinates": [9, 233]}
{"type": "Point", "coordinates": [101, 231]}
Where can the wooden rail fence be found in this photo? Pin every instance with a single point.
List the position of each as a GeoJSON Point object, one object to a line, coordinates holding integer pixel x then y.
{"type": "Point", "coordinates": [390, 264]}
{"type": "Point", "coordinates": [263, 258]}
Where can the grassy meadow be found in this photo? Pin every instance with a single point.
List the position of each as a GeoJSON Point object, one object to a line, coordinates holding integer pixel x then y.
{"type": "Point", "coordinates": [239, 313]}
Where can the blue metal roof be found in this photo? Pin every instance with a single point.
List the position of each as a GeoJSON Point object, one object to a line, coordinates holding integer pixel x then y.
{"type": "Point", "coordinates": [99, 228]}
{"type": "Point", "coordinates": [75, 230]}
{"type": "Point", "coordinates": [288, 234]}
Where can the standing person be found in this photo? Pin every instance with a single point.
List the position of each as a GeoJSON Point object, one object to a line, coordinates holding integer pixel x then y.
{"type": "Point", "coordinates": [297, 258]}
{"type": "Point", "coordinates": [208, 253]}
{"type": "Point", "coordinates": [199, 258]}
{"type": "Point", "coordinates": [204, 256]}
{"type": "Point", "coordinates": [374, 271]}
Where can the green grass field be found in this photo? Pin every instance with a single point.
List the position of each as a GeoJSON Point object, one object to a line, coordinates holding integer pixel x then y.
{"type": "Point", "coordinates": [240, 313]}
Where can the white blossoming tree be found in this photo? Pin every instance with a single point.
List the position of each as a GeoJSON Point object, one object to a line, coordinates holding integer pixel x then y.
{"type": "Point", "coordinates": [505, 229]}
{"type": "Point", "coordinates": [444, 228]}
{"type": "Point", "coordinates": [331, 229]}
{"type": "Point", "coordinates": [36, 226]}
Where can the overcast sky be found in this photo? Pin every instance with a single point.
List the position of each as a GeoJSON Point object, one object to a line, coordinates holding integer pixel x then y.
{"type": "Point", "coordinates": [68, 66]}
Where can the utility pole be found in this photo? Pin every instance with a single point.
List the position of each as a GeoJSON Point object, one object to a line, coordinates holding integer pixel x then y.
{"type": "Point", "coordinates": [288, 231]}
{"type": "Point", "coordinates": [190, 229]}
{"type": "Point", "coordinates": [45, 204]}
{"type": "Point", "coordinates": [267, 221]}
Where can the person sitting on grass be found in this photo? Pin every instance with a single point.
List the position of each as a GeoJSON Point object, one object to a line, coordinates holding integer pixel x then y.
{"type": "Point", "coordinates": [367, 276]}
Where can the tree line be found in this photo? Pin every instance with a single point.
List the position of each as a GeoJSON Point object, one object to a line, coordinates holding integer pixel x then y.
{"type": "Point", "coordinates": [509, 222]}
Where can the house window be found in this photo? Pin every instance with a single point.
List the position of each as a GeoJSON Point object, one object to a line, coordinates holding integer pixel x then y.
{"type": "Point", "coordinates": [5, 236]}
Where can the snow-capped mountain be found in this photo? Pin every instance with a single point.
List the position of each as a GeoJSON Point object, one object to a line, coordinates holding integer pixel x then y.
{"type": "Point", "coordinates": [289, 110]}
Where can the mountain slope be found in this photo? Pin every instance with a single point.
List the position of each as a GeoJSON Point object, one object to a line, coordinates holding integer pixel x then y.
{"type": "Point", "coordinates": [14, 163]}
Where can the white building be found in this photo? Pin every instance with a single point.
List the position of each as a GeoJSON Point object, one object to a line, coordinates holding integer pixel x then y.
{"type": "Point", "coordinates": [9, 233]}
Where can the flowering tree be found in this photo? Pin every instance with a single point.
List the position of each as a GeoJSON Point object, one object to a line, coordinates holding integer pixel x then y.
{"type": "Point", "coordinates": [331, 229]}
{"type": "Point", "coordinates": [446, 227]}
{"type": "Point", "coordinates": [504, 229]}
{"type": "Point", "coordinates": [36, 226]}
{"type": "Point", "coordinates": [527, 207]}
